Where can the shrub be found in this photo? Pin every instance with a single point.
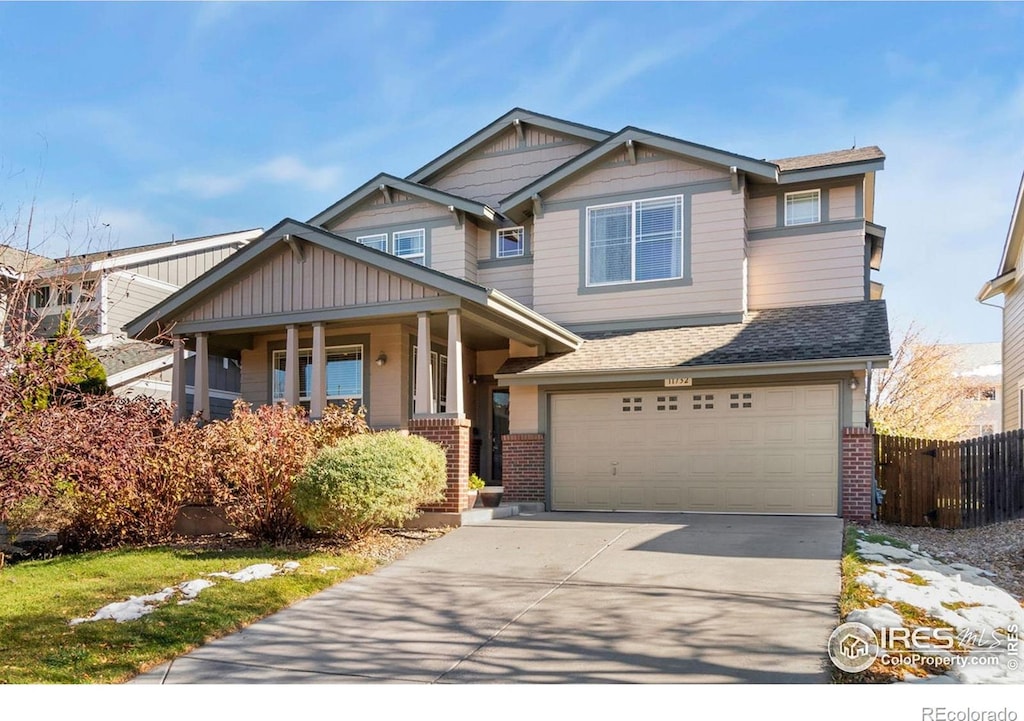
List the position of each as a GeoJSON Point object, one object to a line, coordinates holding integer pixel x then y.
{"type": "Point", "coordinates": [369, 481]}
{"type": "Point", "coordinates": [94, 470]}
{"type": "Point", "coordinates": [255, 456]}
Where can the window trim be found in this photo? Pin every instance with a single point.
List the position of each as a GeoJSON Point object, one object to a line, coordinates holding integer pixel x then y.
{"type": "Point", "coordinates": [343, 348]}
{"type": "Point", "coordinates": [422, 255]}
{"type": "Point", "coordinates": [361, 239]}
{"type": "Point", "coordinates": [438, 375]}
{"type": "Point", "coordinates": [522, 243]}
{"type": "Point", "coordinates": [680, 198]}
{"type": "Point", "coordinates": [785, 207]}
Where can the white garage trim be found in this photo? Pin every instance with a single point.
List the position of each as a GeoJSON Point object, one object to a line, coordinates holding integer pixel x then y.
{"type": "Point", "coordinates": [759, 449]}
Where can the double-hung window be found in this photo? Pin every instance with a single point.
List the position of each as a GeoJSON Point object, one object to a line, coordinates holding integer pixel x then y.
{"type": "Point", "coordinates": [344, 373]}
{"type": "Point", "coordinates": [408, 244]}
{"type": "Point", "coordinates": [803, 207]}
{"type": "Point", "coordinates": [641, 240]}
{"type": "Point", "coordinates": [438, 377]}
{"type": "Point", "coordinates": [511, 242]}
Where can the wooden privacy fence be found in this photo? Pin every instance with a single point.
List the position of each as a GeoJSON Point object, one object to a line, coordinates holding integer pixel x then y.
{"type": "Point", "coordinates": [951, 484]}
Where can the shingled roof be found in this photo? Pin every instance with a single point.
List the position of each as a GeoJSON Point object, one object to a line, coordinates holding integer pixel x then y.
{"type": "Point", "coordinates": [834, 157]}
{"type": "Point", "coordinates": [807, 333]}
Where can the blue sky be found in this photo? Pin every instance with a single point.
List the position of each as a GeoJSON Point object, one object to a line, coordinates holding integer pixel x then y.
{"type": "Point", "coordinates": [197, 118]}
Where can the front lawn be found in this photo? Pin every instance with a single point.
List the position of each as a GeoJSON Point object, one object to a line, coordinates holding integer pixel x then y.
{"type": "Point", "coordinates": [39, 598]}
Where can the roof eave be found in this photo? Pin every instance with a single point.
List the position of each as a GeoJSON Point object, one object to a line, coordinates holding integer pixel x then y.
{"type": "Point", "coordinates": [826, 172]}
{"type": "Point", "coordinates": [705, 371]}
{"type": "Point", "coordinates": [508, 306]}
{"type": "Point", "coordinates": [997, 285]}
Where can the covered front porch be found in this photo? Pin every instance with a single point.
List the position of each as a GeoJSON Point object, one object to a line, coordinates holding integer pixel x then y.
{"type": "Point", "coordinates": [314, 319]}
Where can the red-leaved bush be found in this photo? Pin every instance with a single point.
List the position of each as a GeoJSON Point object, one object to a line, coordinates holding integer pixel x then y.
{"type": "Point", "coordinates": [103, 471]}
{"type": "Point", "coordinates": [255, 456]}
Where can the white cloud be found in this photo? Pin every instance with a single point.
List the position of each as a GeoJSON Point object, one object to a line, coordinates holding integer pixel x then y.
{"type": "Point", "coordinates": [281, 170]}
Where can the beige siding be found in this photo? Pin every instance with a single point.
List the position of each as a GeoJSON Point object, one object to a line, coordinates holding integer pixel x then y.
{"type": "Point", "coordinates": [389, 387]}
{"type": "Point", "coordinates": [842, 203]}
{"type": "Point", "coordinates": [1013, 356]}
{"type": "Point", "coordinates": [524, 409]}
{"type": "Point", "coordinates": [503, 167]}
{"type": "Point", "coordinates": [512, 280]}
{"type": "Point", "coordinates": [129, 296]}
{"type": "Point", "coordinates": [716, 266]}
{"type": "Point", "coordinates": [483, 244]}
{"type": "Point", "coordinates": [806, 269]}
{"type": "Point", "coordinates": [653, 170]}
{"type": "Point", "coordinates": [452, 253]}
{"type": "Point", "coordinates": [324, 280]}
{"type": "Point", "coordinates": [761, 212]}
{"type": "Point", "coordinates": [374, 212]}
{"type": "Point", "coordinates": [183, 269]}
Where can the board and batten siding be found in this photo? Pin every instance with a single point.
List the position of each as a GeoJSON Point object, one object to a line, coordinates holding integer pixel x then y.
{"type": "Point", "coordinates": [183, 269]}
{"type": "Point", "coordinates": [806, 270]}
{"type": "Point", "coordinates": [512, 280]}
{"type": "Point", "coordinates": [1013, 356]}
{"type": "Point", "coordinates": [652, 170]}
{"type": "Point", "coordinates": [375, 212]}
{"type": "Point", "coordinates": [325, 280]}
{"type": "Point", "coordinates": [504, 166]}
{"type": "Point", "coordinates": [716, 267]}
{"type": "Point", "coordinates": [128, 296]}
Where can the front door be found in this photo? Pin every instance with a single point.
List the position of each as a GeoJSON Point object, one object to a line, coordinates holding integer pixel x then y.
{"type": "Point", "coordinates": [499, 427]}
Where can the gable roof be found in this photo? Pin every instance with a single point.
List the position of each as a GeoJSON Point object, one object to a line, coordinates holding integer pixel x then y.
{"type": "Point", "coordinates": [14, 261]}
{"type": "Point", "coordinates": [509, 119]}
{"type": "Point", "coordinates": [856, 332]}
{"type": "Point", "coordinates": [149, 324]}
{"type": "Point", "coordinates": [384, 180]}
{"type": "Point", "coordinates": [1011, 249]}
{"type": "Point", "coordinates": [759, 168]}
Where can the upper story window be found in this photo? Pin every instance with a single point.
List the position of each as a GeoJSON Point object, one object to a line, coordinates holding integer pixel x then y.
{"type": "Point", "coordinates": [65, 295]}
{"type": "Point", "coordinates": [637, 241]}
{"type": "Point", "coordinates": [88, 291]}
{"type": "Point", "coordinates": [803, 207]}
{"type": "Point", "coordinates": [40, 297]}
{"type": "Point", "coordinates": [408, 244]}
{"type": "Point", "coordinates": [511, 242]}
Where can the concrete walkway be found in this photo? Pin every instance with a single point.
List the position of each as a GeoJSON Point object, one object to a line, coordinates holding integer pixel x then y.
{"type": "Point", "coordinates": [561, 597]}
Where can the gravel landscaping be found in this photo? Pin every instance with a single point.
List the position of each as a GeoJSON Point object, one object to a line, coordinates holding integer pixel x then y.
{"type": "Point", "coordinates": [998, 548]}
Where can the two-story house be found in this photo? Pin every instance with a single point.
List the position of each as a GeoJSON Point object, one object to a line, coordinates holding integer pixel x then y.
{"type": "Point", "coordinates": [595, 320]}
{"type": "Point", "coordinates": [1007, 283]}
{"type": "Point", "coordinates": [104, 290]}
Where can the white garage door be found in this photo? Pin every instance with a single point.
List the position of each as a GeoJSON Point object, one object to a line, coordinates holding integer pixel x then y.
{"type": "Point", "coordinates": [754, 450]}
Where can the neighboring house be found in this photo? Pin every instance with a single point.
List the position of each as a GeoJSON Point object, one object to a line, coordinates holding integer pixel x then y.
{"type": "Point", "coordinates": [1008, 284]}
{"type": "Point", "coordinates": [104, 290]}
{"type": "Point", "coordinates": [981, 365]}
{"type": "Point", "coordinates": [595, 320]}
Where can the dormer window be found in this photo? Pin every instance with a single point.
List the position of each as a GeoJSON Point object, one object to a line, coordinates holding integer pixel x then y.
{"type": "Point", "coordinates": [511, 242]}
{"type": "Point", "coordinates": [803, 208]}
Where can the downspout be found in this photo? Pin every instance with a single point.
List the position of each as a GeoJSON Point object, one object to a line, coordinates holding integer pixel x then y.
{"type": "Point", "coordinates": [877, 494]}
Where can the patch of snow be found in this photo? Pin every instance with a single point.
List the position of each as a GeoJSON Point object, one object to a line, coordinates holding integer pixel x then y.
{"type": "Point", "coordinates": [981, 616]}
{"type": "Point", "coordinates": [138, 606]}
{"type": "Point", "coordinates": [325, 569]}
{"type": "Point", "coordinates": [249, 573]}
{"type": "Point", "coordinates": [884, 616]}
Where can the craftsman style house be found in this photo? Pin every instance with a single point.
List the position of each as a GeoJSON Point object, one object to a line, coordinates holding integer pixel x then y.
{"type": "Point", "coordinates": [595, 320]}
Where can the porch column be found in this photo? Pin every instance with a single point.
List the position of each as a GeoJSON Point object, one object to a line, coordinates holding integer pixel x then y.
{"type": "Point", "coordinates": [456, 400]}
{"type": "Point", "coordinates": [424, 401]}
{"type": "Point", "coordinates": [291, 367]}
{"type": "Point", "coordinates": [201, 389]}
{"type": "Point", "coordinates": [318, 393]}
{"type": "Point", "coordinates": [178, 378]}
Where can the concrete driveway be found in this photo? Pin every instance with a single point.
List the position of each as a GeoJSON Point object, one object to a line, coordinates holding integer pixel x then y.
{"type": "Point", "coordinates": [561, 597]}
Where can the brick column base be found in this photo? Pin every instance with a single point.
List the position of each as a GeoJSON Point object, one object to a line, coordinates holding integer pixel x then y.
{"type": "Point", "coordinates": [858, 470]}
{"type": "Point", "coordinates": [452, 434]}
{"type": "Point", "coordinates": [522, 466]}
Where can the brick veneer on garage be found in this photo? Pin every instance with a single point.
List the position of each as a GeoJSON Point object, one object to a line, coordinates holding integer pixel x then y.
{"type": "Point", "coordinates": [452, 434]}
{"type": "Point", "coordinates": [522, 466]}
{"type": "Point", "coordinates": [858, 470]}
